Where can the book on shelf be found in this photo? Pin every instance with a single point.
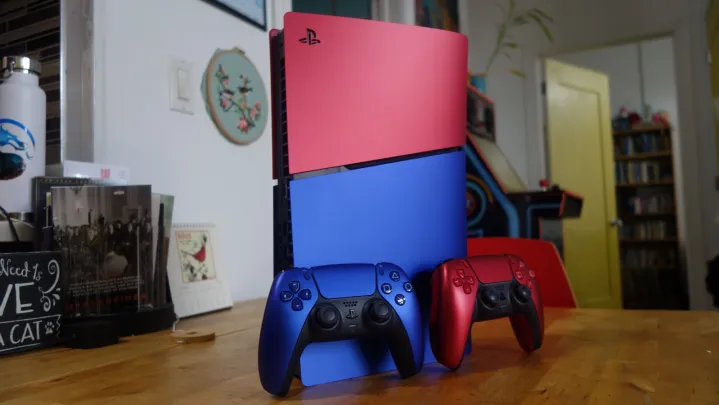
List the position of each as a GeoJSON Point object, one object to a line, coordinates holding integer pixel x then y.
{"type": "Point", "coordinates": [649, 142]}
{"type": "Point", "coordinates": [640, 172]}
{"type": "Point", "coordinates": [647, 230]}
{"type": "Point", "coordinates": [649, 258]}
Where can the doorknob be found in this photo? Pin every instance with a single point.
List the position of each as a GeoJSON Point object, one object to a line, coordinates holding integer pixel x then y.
{"type": "Point", "coordinates": [616, 222]}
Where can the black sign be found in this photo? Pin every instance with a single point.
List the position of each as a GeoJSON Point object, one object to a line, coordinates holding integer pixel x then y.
{"type": "Point", "coordinates": [30, 300]}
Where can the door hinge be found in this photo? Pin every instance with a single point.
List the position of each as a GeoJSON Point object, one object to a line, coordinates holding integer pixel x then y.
{"type": "Point", "coordinates": [543, 88]}
{"type": "Point", "coordinates": [709, 57]}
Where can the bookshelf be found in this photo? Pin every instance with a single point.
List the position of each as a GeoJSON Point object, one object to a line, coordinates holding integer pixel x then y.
{"type": "Point", "coordinates": [646, 204]}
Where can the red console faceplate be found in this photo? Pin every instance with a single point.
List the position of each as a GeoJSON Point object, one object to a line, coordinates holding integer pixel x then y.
{"type": "Point", "coordinates": [362, 90]}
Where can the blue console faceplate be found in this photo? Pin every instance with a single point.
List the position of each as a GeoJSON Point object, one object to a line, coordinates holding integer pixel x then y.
{"type": "Point", "coordinates": [411, 213]}
{"type": "Point", "coordinates": [358, 280]}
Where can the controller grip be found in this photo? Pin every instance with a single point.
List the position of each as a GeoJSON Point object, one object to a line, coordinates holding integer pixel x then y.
{"type": "Point", "coordinates": [407, 358]}
{"type": "Point", "coordinates": [450, 320]}
{"type": "Point", "coordinates": [527, 327]}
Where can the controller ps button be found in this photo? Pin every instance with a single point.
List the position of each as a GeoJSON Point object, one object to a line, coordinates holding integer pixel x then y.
{"type": "Point", "coordinates": [457, 282]}
{"type": "Point", "coordinates": [305, 294]}
{"type": "Point", "coordinates": [297, 304]}
{"type": "Point", "coordinates": [294, 286]}
{"type": "Point", "coordinates": [285, 296]}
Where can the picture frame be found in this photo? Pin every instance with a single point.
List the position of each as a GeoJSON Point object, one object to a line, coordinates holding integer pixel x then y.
{"type": "Point", "coordinates": [253, 12]}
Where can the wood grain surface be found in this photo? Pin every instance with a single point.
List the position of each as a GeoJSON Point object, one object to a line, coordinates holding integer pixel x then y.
{"type": "Point", "coordinates": [589, 356]}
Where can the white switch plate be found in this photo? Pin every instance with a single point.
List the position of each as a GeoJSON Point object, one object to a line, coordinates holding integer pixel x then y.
{"type": "Point", "coordinates": [180, 81]}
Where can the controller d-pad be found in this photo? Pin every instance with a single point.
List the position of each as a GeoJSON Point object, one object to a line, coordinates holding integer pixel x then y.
{"type": "Point", "coordinates": [467, 288]}
{"type": "Point", "coordinates": [286, 296]}
{"type": "Point", "coordinates": [460, 273]}
{"type": "Point", "coordinates": [394, 276]}
{"type": "Point", "coordinates": [305, 294]}
{"type": "Point", "coordinates": [294, 286]}
{"type": "Point", "coordinates": [400, 299]}
{"type": "Point", "coordinates": [469, 280]}
{"type": "Point", "coordinates": [297, 304]}
{"type": "Point", "coordinates": [457, 282]}
{"type": "Point", "coordinates": [386, 288]}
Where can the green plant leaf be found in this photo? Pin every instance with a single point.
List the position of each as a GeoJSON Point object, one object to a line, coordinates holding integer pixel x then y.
{"type": "Point", "coordinates": [520, 20]}
{"type": "Point", "coordinates": [516, 73]}
{"type": "Point", "coordinates": [542, 25]}
{"type": "Point", "coordinates": [542, 14]}
{"type": "Point", "coordinates": [512, 6]}
{"type": "Point", "coordinates": [511, 45]}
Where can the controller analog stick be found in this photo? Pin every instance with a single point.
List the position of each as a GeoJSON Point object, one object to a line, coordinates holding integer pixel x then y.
{"type": "Point", "coordinates": [379, 312]}
{"type": "Point", "coordinates": [523, 293]}
{"type": "Point", "coordinates": [490, 298]}
{"type": "Point", "coordinates": [327, 317]}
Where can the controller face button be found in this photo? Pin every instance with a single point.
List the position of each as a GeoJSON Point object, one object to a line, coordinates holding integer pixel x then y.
{"type": "Point", "coordinates": [408, 287]}
{"type": "Point", "coordinates": [285, 296]}
{"type": "Point", "coordinates": [327, 317]}
{"type": "Point", "coordinates": [306, 274]}
{"type": "Point", "coordinates": [294, 286]}
{"type": "Point", "coordinates": [297, 304]}
{"type": "Point", "coordinates": [380, 312]}
{"type": "Point", "coordinates": [519, 275]}
{"type": "Point", "coordinates": [386, 288]}
{"type": "Point", "coordinates": [521, 264]}
{"type": "Point", "coordinates": [457, 282]}
{"type": "Point", "coordinates": [532, 274]}
{"type": "Point", "coordinates": [522, 293]}
{"type": "Point", "coordinates": [399, 299]}
{"type": "Point", "coordinates": [305, 294]}
{"type": "Point", "coordinates": [394, 276]}
{"type": "Point", "coordinates": [469, 280]}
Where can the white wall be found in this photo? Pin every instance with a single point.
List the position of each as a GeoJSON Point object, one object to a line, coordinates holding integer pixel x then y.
{"type": "Point", "coordinates": [583, 24]}
{"type": "Point", "coordinates": [184, 155]}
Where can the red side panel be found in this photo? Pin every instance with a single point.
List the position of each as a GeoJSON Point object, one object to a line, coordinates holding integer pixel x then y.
{"type": "Point", "coordinates": [540, 256]}
{"type": "Point", "coordinates": [362, 90]}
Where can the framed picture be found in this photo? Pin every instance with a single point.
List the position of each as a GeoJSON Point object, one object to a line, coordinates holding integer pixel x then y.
{"type": "Point", "coordinates": [251, 11]}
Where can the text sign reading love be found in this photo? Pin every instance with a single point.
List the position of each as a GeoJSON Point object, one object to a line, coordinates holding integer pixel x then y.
{"type": "Point", "coordinates": [30, 300]}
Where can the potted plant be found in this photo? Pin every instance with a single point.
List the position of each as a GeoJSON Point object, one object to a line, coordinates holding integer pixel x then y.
{"type": "Point", "coordinates": [512, 18]}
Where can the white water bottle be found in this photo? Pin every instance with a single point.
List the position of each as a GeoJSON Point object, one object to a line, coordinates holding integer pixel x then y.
{"type": "Point", "coordinates": [22, 131]}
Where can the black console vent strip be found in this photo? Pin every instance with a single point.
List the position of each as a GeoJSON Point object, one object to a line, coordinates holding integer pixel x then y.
{"type": "Point", "coordinates": [283, 254]}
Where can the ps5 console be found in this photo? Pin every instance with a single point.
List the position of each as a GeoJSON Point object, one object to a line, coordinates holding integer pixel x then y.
{"type": "Point", "coordinates": [369, 124]}
{"type": "Point", "coordinates": [482, 288]}
{"type": "Point", "coordinates": [336, 303]}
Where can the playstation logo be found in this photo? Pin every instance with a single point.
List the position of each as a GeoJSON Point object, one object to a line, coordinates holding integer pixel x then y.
{"type": "Point", "coordinates": [310, 38]}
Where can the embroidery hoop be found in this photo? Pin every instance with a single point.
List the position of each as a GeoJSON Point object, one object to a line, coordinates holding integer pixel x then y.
{"type": "Point", "coordinates": [212, 110]}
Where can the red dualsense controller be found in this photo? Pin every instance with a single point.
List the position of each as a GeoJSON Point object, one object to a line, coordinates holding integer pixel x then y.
{"type": "Point", "coordinates": [478, 289]}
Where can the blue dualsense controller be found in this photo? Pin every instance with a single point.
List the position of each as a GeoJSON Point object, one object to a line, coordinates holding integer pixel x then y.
{"type": "Point", "coordinates": [338, 302]}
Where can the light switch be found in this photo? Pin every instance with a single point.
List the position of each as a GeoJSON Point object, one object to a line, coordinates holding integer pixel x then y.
{"type": "Point", "coordinates": [180, 83]}
{"type": "Point", "coordinates": [183, 85]}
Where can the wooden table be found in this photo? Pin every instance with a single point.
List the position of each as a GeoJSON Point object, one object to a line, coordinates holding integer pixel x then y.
{"type": "Point", "coordinates": [589, 357]}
